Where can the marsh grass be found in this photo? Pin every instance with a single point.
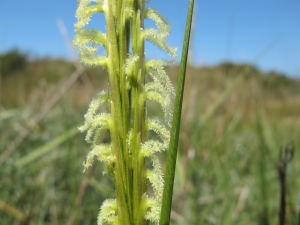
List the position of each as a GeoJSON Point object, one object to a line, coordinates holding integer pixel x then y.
{"type": "Point", "coordinates": [222, 185]}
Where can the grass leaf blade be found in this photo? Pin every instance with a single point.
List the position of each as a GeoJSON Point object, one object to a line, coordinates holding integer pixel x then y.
{"type": "Point", "coordinates": [45, 149]}
{"type": "Point", "coordinates": [172, 153]}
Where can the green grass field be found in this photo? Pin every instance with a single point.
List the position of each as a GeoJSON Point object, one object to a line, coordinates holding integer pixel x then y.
{"type": "Point", "coordinates": [235, 121]}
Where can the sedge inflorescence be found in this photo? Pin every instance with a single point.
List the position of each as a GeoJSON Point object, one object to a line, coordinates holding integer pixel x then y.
{"type": "Point", "coordinates": [132, 81]}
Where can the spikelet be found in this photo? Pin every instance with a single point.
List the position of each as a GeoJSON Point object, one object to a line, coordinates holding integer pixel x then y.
{"type": "Point", "coordinates": [161, 85]}
{"type": "Point", "coordinates": [156, 92]}
{"type": "Point", "coordinates": [159, 20]}
{"type": "Point", "coordinates": [87, 40]}
{"type": "Point", "coordinates": [158, 39]}
{"type": "Point", "coordinates": [95, 127]}
{"type": "Point", "coordinates": [103, 152]}
{"type": "Point", "coordinates": [131, 62]}
{"type": "Point", "coordinates": [85, 11]}
{"type": "Point", "coordinates": [155, 68]}
{"type": "Point", "coordinates": [108, 213]}
{"type": "Point", "coordinates": [158, 127]}
{"type": "Point", "coordinates": [155, 177]}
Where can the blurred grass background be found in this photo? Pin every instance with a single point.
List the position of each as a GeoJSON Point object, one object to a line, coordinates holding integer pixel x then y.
{"type": "Point", "coordinates": [235, 121]}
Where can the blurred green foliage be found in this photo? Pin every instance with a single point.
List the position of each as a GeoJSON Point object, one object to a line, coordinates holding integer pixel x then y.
{"type": "Point", "coordinates": [12, 61]}
{"type": "Point", "coordinates": [226, 168]}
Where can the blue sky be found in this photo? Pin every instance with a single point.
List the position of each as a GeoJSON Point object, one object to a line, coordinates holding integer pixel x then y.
{"type": "Point", "coordinates": [231, 30]}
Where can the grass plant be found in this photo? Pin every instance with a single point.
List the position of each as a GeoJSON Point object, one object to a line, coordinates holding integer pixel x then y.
{"type": "Point", "coordinates": [221, 185]}
{"type": "Point", "coordinates": [222, 143]}
{"type": "Point", "coordinates": [127, 121]}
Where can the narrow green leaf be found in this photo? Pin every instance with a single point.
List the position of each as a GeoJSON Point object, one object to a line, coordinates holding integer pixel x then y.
{"type": "Point", "coordinates": [47, 147]}
{"type": "Point", "coordinates": [172, 154]}
{"type": "Point", "coordinates": [262, 161]}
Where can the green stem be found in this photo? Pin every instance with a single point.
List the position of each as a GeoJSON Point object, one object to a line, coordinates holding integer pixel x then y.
{"type": "Point", "coordinates": [117, 134]}
{"type": "Point", "coordinates": [139, 132]}
{"type": "Point", "coordinates": [123, 46]}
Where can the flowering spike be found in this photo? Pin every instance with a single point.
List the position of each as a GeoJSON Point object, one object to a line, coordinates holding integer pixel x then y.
{"type": "Point", "coordinates": [126, 120]}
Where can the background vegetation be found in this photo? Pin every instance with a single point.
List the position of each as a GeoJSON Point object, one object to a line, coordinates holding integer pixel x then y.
{"type": "Point", "coordinates": [235, 121]}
